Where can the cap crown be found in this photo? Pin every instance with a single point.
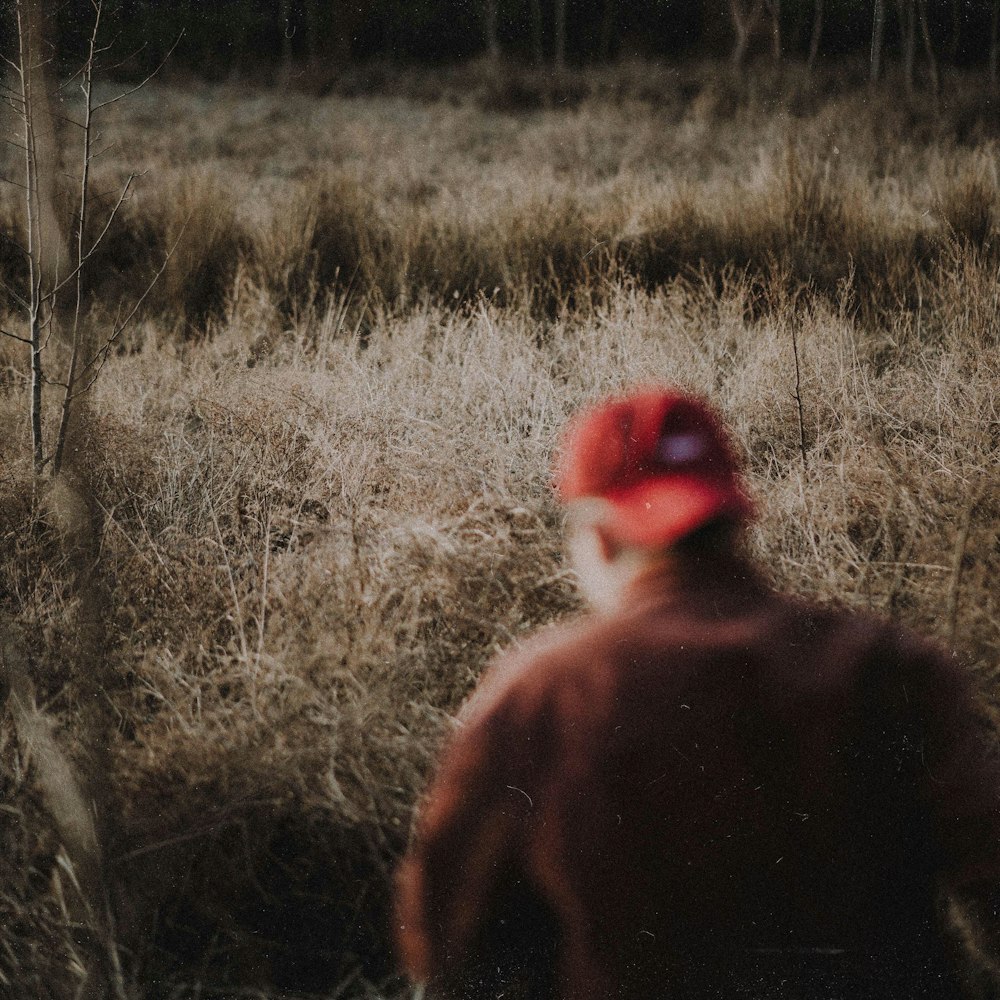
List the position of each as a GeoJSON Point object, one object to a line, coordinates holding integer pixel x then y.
{"type": "Point", "coordinates": [660, 457]}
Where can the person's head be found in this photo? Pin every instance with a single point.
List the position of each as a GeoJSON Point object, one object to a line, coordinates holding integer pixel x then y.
{"type": "Point", "coordinates": [648, 479]}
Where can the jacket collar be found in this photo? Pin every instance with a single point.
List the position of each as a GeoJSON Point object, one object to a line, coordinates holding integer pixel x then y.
{"type": "Point", "coordinates": [718, 585]}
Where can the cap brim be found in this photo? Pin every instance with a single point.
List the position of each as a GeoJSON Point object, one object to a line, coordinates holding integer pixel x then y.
{"type": "Point", "coordinates": [660, 511]}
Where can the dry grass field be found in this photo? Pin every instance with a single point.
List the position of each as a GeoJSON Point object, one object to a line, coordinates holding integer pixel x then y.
{"type": "Point", "coordinates": [312, 483]}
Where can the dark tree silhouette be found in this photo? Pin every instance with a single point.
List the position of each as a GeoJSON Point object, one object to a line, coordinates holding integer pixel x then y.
{"type": "Point", "coordinates": [994, 45]}
{"type": "Point", "coordinates": [560, 34]}
{"type": "Point", "coordinates": [955, 36]}
{"type": "Point", "coordinates": [744, 16]}
{"type": "Point", "coordinates": [817, 31]}
{"type": "Point", "coordinates": [608, 14]}
{"type": "Point", "coordinates": [922, 36]}
{"type": "Point", "coordinates": [878, 36]}
{"type": "Point", "coordinates": [285, 20]}
{"type": "Point", "coordinates": [925, 33]}
{"type": "Point", "coordinates": [907, 13]}
{"type": "Point", "coordinates": [488, 11]}
{"type": "Point", "coordinates": [537, 51]}
{"type": "Point", "coordinates": [774, 10]}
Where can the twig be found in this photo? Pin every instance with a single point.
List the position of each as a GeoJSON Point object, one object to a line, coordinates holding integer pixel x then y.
{"type": "Point", "coordinates": [957, 569]}
{"type": "Point", "coordinates": [798, 399]}
{"type": "Point", "coordinates": [14, 336]}
{"type": "Point", "coordinates": [142, 83]}
{"type": "Point", "coordinates": [12, 182]}
{"type": "Point", "coordinates": [15, 295]}
{"type": "Point", "coordinates": [121, 325]}
{"type": "Point", "coordinates": [262, 617]}
{"type": "Point", "coordinates": [74, 274]}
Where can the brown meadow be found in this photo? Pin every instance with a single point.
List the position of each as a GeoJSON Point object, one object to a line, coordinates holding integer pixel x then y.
{"type": "Point", "coordinates": [316, 472]}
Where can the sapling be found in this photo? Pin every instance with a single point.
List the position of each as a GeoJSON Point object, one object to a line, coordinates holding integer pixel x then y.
{"type": "Point", "coordinates": [53, 268]}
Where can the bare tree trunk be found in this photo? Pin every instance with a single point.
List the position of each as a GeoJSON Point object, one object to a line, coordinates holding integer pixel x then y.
{"type": "Point", "coordinates": [237, 49]}
{"type": "Point", "coordinates": [537, 50]}
{"type": "Point", "coordinates": [607, 30]}
{"type": "Point", "coordinates": [995, 46]}
{"type": "Point", "coordinates": [37, 294]}
{"type": "Point", "coordinates": [345, 17]}
{"type": "Point", "coordinates": [774, 9]}
{"type": "Point", "coordinates": [908, 29]}
{"type": "Point", "coordinates": [925, 32]}
{"type": "Point", "coordinates": [32, 95]}
{"type": "Point", "coordinates": [313, 31]}
{"type": "Point", "coordinates": [741, 34]}
{"type": "Point", "coordinates": [817, 30]}
{"type": "Point", "coordinates": [878, 33]}
{"type": "Point", "coordinates": [490, 33]}
{"type": "Point", "coordinates": [86, 901]}
{"type": "Point", "coordinates": [955, 38]}
{"type": "Point", "coordinates": [744, 21]}
{"type": "Point", "coordinates": [83, 205]}
{"type": "Point", "coordinates": [285, 16]}
{"type": "Point", "coordinates": [560, 32]}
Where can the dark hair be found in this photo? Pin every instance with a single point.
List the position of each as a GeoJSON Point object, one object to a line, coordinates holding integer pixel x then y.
{"type": "Point", "coordinates": [714, 537]}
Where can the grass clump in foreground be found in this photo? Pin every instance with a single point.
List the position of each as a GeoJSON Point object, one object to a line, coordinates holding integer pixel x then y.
{"type": "Point", "coordinates": [317, 487]}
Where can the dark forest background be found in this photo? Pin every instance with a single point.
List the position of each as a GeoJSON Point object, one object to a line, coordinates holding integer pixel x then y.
{"type": "Point", "coordinates": [227, 39]}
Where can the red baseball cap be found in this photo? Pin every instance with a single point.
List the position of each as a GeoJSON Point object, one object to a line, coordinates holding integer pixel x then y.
{"type": "Point", "coordinates": [660, 459]}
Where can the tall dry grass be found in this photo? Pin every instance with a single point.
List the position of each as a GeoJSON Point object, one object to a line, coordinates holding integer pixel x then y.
{"type": "Point", "coordinates": [317, 473]}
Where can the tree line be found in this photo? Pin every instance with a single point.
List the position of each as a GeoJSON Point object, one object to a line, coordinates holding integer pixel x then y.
{"type": "Point", "coordinates": [262, 38]}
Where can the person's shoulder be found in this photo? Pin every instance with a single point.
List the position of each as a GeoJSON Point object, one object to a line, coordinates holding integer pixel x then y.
{"type": "Point", "coordinates": [860, 628]}
{"type": "Point", "coordinates": [931, 669]}
{"type": "Point", "coordinates": [523, 680]}
{"type": "Point", "coordinates": [897, 645]}
{"type": "Point", "coordinates": [887, 653]}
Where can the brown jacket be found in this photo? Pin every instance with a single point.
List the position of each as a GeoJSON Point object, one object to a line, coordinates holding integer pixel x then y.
{"type": "Point", "coordinates": [721, 792]}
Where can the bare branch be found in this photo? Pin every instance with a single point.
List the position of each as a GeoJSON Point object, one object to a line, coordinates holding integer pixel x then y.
{"type": "Point", "coordinates": [14, 336]}
{"type": "Point", "coordinates": [121, 325]}
{"type": "Point", "coordinates": [13, 183]}
{"type": "Point", "coordinates": [100, 236]}
{"type": "Point", "coordinates": [141, 84]}
{"type": "Point", "coordinates": [14, 243]}
{"type": "Point", "coordinates": [99, 50]}
{"type": "Point", "coordinates": [68, 82]}
{"type": "Point", "coordinates": [107, 149]}
{"type": "Point", "coordinates": [66, 119]}
{"type": "Point", "coordinates": [121, 62]}
{"type": "Point", "coordinates": [16, 296]}
{"type": "Point", "coordinates": [13, 65]}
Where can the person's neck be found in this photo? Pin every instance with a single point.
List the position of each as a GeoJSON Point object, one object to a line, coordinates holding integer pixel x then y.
{"type": "Point", "coordinates": [708, 567]}
{"type": "Point", "coordinates": [685, 575]}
